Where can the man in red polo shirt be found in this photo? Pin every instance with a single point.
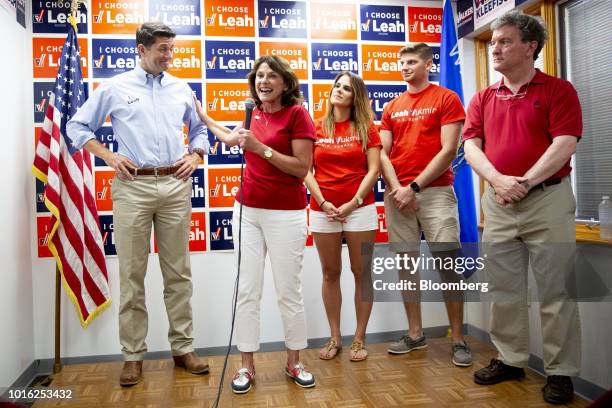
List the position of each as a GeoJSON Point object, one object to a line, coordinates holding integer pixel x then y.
{"type": "Point", "coordinates": [420, 132]}
{"type": "Point", "coordinates": [519, 135]}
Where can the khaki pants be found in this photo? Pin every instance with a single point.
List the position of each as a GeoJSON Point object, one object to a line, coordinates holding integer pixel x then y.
{"type": "Point", "coordinates": [165, 202]}
{"type": "Point", "coordinates": [530, 235]}
{"type": "Point", "coordinates": [438, 218]}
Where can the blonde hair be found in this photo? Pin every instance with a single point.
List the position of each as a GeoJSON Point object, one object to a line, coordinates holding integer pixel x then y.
{"type": "Point", "coordinates": [362, 114]}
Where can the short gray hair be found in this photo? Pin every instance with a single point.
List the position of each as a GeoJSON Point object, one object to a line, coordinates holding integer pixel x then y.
{"type": "Point", "coordinates": [148, 32]}
{"type": "Point", "coordinates": [531, 28]}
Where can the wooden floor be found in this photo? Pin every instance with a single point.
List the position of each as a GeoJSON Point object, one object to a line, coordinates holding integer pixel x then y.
{"type": "Point", "coordinates": [423, 378]}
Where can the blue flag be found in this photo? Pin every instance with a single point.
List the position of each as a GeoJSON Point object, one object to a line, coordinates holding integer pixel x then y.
{"type": "Point", "coordinates": [450, 77]}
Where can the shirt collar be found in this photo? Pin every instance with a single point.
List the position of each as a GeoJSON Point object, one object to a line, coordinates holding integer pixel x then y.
{"type": "Point", "coordinates": [144, 76]}
{"type": "Point", "coordinates": [538, 78]}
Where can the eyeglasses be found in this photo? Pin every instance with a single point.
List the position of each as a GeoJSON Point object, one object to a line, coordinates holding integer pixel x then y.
{"type": "Point", "coordinates": [512, 96]}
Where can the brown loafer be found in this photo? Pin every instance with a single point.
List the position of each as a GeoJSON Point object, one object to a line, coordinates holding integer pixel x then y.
{"type": "Point", "coordinates": [131, 373]}
{"type": "Point", "coordinates": [192, 363]}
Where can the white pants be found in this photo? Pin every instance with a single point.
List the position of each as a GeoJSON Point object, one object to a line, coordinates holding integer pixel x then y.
{"type": "Point", "coordinates": [282, 234]}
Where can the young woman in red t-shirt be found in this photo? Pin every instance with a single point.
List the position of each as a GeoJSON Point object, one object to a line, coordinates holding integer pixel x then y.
{"type": "Point", "coordinates": [346, 164]}
{"type": "Point", "coordinates": [278, 154]}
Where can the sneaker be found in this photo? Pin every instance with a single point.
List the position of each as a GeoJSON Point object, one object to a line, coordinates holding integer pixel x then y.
{"type": "Point", "coordinates": [300, 376]}
{"type": "Point", "coordinates": [497, 372]}
{"type": "Point", "coordinates": [406, 345]}
{"type": "Point", "coordinates": [558, 389]}
{"type": "Point", "coordinates": [462, 354]}
{"type": "Point", "coordinates": [243, 381]}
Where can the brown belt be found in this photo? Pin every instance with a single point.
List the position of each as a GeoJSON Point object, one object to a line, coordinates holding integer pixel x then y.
{"type": "Point", "coordinates": [154, 171]}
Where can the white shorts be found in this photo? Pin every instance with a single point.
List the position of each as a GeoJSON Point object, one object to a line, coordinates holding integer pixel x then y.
{"type": "Point", "coordinates": [362, 219]}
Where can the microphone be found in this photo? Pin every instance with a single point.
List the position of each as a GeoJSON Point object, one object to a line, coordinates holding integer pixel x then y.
{"type": "Point", "coordinates": [249, 105]}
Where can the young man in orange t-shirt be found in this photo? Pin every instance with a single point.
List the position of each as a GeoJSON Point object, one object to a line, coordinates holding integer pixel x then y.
{"type": "Point", "coordinates": [420, 134]}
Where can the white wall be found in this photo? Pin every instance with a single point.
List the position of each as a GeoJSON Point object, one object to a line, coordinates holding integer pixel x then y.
{"type": "Point", "coordinates": [213, 279]}
{"type": "Point", "coordinates": [16, 214]}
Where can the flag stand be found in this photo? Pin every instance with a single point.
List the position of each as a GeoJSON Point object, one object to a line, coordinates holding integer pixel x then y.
{"type": "Point", "coordinates": [57, 363]}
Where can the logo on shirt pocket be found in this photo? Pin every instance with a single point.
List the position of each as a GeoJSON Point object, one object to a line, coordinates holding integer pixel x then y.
{"type": "Point", "coordinates": [132, 99]}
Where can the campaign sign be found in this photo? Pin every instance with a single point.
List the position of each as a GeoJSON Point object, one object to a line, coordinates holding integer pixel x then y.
{"type": "Point", "coordinates": [382, 23]}
{"type": "Point", "coordinates": [42, 92]}
{"type": "Point", "coordinates": [320, 99]}
{"type": "Point", "coordinates": [106, 136]}
{"type": "Point", "coordinates": [425, 24]}
{"type": "Point", "coordinates": [333, 21]}
{"type": "Point", "coordinates": [117, 16]}
{"type": "Point", "coordinates": [380, 62]}
{"type": "Point", "coordinates": [197, 232]}
{"type": "Point", "coordinates": [229, 18]}
{"type": "Point", "coordinates": [197, 88]}
{"type": "Point", "coordinates": [229, 59]}
{"type": "Point", "coordinates": [328, 59]}
{"type": "Point", "coordinates": [107, 229]}
{"type": "Point", "coordinates": [220, 153]}
{"type": "Point", "coordinates": [379, 190]}
{"type": "Point", "coordinates": [465, 17]}
{"type": "Point", "coordinates": [42, 236]}
{"type": "Point", "coordinates": [37, 132]}
{"type": "Point", "coordinates": [40, 197]}
{"type": "Point", "coordinates": [46, 54]}
{"type": "Point", "coordinates": [198, 192]}
{"type": "Point", "coordinates": [485, 11]}
{"type": "Point", "coordinates": [221, 237]}
{"type": "Point", "coordinates": [282, 19]}
{"type": "Point", "coordinates": [295, 53]}
{"type": "Point", "coordinates": [223, 184]}
{"type": "Point", "coordinates": [305, 98]}
{"type": "Point", "coordinates": [434, 73]}
{"type": "Point", "coordinates": [187, 59]}
{"type": "Point", "coordinates": [225, 100]}
{"type": "Point", "coordinates": [381, 235]}
{"type": "Point", "coordinates": [182, 17]}
{"type": "Point", "coordinates": [103, 180]}
{"type": "Point", "coordinates": [52, 16]}
{"type": "Point", "coordinates": [380, 95]}
{"type": "Point", "coordinates": [113, 56]}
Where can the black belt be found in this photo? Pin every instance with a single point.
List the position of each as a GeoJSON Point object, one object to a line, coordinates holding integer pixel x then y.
{"type": "Point", "coordinates": [547, 183]}
{"type": "Point", "coordinates": [154, 171]}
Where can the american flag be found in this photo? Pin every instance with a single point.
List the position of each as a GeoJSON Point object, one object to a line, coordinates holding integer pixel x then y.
{"type": "Point", "coordinates": [75, 239]}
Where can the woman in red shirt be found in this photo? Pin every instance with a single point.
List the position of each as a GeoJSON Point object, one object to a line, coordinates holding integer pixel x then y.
{"type": "Point", "coordinates": [278, 154]}
{"type": "Point", "coordinates": [346, 164]}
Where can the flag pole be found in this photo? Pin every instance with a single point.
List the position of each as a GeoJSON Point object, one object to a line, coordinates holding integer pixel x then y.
{"type": "Point", "coordinates": [57, 363]}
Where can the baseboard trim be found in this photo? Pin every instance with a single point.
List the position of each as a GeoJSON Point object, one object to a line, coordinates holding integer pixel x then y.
{"type": "Point", "coordinates": [584, 388]}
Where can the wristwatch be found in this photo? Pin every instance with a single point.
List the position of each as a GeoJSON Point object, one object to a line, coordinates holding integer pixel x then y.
{"type": "Point", "coordinates": [415, 187]}
{"type": "Point", "coordinates": [359, 200]}
{"type": "Point", "coordinates": [268, 153]}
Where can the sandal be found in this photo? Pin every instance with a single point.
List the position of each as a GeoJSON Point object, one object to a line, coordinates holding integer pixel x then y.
{"type": "Point", "coordinates": [330, 350]}
{"type": "Point", "coordinates": [358, 351]}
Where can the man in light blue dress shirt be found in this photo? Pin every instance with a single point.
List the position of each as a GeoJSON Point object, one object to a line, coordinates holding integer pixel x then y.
{"type": "Point", "coordinates": [148, 109]}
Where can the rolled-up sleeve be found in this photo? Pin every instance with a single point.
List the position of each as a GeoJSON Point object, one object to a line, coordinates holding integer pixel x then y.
{"type": "Point", "coordinates": [90, 116]}
{"type": "Point", "coordinates": [197, 135]}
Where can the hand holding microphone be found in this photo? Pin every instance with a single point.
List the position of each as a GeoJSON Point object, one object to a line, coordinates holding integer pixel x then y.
{"type": "Point", "coordinates": [247, 139]}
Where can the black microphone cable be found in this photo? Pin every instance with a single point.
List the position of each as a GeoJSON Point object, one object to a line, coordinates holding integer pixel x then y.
{"type": "Point", "coordinates": [250, 104]}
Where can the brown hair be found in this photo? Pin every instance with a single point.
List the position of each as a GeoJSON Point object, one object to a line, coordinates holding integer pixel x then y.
{"type": "Point", "coordinates": [421, 49]}
{"type": "Point", "coordinates": [292, 95]}
{"type": "Point", "coordinates": [362, 114]}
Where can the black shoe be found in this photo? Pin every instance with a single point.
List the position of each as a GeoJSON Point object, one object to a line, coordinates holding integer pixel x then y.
{"type": "Point", "coordinates": [497, 372]}
{"type": "Point", "coordinates": [558, 389]}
